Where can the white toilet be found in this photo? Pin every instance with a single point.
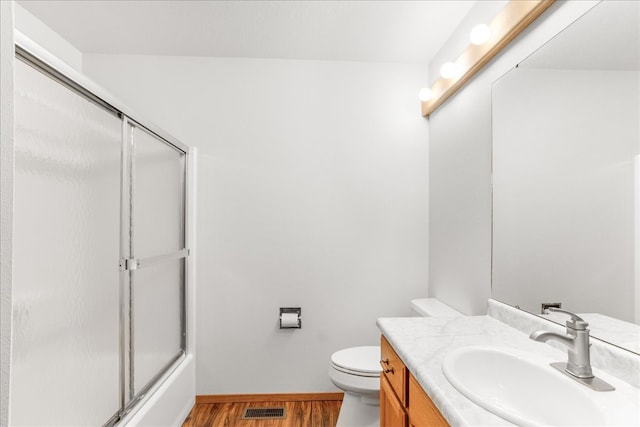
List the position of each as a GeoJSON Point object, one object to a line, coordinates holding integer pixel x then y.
{"type": "Point", "coordinates": [356, 371]}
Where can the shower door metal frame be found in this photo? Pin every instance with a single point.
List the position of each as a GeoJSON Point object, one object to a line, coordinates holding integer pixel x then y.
{"type": "Point", "coordinates": [129, 264]}
{"type": "Point", "coordinates": [43, 61]}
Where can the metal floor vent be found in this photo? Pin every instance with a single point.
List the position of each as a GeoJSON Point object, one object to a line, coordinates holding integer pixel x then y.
{"type": "Point", "coordinates": [264, 413]}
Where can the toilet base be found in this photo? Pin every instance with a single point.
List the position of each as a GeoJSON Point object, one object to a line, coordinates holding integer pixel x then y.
{"type": "Point", "coordinates": [354, 412]}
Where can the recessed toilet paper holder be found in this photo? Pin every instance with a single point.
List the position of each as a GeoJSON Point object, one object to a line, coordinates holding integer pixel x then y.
{"type": "Point", "coordinates": [289, 314]}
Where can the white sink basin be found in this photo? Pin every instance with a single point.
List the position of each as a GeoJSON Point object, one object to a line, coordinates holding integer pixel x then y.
{"type": "Point", "coordinates": [522, 388]}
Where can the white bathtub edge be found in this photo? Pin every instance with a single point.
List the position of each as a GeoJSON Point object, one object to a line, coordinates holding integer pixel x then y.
{"type": "Point", "coordinates": [171, 403]}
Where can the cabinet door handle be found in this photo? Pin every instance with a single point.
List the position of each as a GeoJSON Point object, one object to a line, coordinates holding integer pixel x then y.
{"type": "Point", "coordinates": [384, 369]}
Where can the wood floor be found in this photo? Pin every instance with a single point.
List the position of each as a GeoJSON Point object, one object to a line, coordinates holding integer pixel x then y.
{"type": "Point", "coordinates": [317, 413]}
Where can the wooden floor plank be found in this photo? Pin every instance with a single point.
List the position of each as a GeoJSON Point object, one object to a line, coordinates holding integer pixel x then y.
{"type": "Point", "coordinates": [299, 414]}
{"type": "Point", "coordinates": [324, 413]}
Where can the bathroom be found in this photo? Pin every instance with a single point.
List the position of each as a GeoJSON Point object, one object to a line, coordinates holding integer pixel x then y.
{"type": "Point", "coordinates": [319, 185]}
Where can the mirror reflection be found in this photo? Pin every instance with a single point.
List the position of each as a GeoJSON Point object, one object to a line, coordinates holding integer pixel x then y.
{"type": "Point", "coordinates": [566, 175]}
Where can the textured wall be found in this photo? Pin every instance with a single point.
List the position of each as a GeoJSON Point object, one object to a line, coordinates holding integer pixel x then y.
{"type": "Point", "coordinates": [38, 31]}
{"type": "Point", "coordinates": [312, 192]}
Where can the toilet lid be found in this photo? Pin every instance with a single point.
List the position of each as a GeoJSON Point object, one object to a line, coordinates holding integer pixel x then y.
{"type": "Point", "coordinates": [358, 359]}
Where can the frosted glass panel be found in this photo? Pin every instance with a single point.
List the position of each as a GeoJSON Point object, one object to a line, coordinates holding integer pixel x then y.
{"type": "Point", "coordinates": [158, 197]}
{"type": "Point", "coordinates": [157, 319]}
{"type": "Point", "coordinates": [158, 229]}
{"type": "Point", "coordinates": [65, 367]}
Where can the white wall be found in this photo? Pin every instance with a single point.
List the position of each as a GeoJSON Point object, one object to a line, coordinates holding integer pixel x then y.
{"type": "Point", "coordinates": [312, 193]}
{"type": "Point", "coordinates": [34, 28]}
{"type": "Point", "coordinates": [460, 165]}
{"type": "Point", "coordinates": [6, 200]}
{"type": "Point", "coordinates": [563, 202]}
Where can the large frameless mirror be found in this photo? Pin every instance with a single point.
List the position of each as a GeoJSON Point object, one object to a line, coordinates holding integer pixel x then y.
{"type": "Point", "coordinates": [566, 177]}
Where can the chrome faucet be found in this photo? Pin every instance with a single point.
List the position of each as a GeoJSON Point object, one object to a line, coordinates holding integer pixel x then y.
{"type": "Point", "coordinates": [576, 340]}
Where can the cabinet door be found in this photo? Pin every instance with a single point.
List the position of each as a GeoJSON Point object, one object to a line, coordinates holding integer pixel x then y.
{"type": "Point", "coordinates": [422, 411]}
{"type": "Point", "coordinates": [392, 412]}
{"type": "Point", "coordinates": [394, 370]}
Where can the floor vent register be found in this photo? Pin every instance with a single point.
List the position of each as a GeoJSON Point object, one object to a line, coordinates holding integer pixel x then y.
{"type": "Point", "coordinates": [264, 413]}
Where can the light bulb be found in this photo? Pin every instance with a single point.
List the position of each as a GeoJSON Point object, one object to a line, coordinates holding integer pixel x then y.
{"type": "Point", "coordinates": [449, 70]}
{"type": "Point", "coordinates": [480, 34]}
{"type": "Point", "coordinates": [425, 94]}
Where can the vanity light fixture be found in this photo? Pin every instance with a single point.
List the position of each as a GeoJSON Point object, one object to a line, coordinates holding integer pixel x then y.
{"type": "Point", "coordinates": [480, 34]}
{"type": "Point", "coordinates": [504, 27]}
{"type": "Point", "coordinates": [425, 94]}
{"type": "Point", "coordinates": [449, 70]}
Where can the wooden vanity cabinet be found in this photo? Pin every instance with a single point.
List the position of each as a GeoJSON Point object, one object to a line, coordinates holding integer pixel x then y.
{"type": "Point", "coordinates": [403, 402]}
{"type": "Point", "coordinates": [392, 413]}
{"type": "Point", "coordinates": [393, 388]}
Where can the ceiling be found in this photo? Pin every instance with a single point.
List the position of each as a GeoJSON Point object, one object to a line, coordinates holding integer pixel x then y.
{"type": "Point", "coordinates": [372, 31]}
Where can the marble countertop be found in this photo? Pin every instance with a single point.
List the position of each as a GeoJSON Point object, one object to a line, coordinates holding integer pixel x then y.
{"type": "Point", "coordinates": [423, 342]}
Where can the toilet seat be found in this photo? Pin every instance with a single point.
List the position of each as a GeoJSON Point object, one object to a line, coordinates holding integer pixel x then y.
{"type": "Point", "coordinates": [359, 361]}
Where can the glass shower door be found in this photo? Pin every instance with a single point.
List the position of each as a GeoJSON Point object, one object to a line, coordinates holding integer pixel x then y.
{"type": "Point", "coordinates": [158, 245]}
{"type": "Point", "coordinates": [99, 254]}
{"type": "Point", "coordinates": [66, 347]}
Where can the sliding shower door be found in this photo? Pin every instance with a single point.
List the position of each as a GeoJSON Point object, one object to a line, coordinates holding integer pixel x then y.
{"type": "Point", "coordinates": [157, 243]}
{"type": "Point", "coordinates": [100, 256]}
{"type": "Point", "coordinates": [65, 366]}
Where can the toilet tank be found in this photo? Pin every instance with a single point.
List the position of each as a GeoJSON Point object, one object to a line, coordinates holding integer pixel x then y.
{"type": "Point", "coordinates": [432, 307]}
